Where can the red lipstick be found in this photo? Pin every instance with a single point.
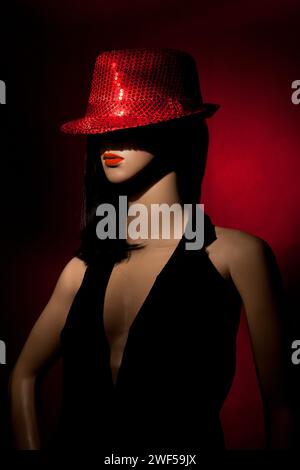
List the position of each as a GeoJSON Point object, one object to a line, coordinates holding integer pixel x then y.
{"type": "Point", "coordinates": [112, 159]}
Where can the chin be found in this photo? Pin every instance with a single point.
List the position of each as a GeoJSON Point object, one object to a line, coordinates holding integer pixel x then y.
{"type": "Point", "coordinates": [115, 176]}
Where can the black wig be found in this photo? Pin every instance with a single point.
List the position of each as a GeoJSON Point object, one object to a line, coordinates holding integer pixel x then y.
{"type": "Point", "coordinates": [179, 145]}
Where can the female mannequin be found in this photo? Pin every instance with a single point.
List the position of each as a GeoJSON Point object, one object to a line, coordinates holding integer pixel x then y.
{"type": "Point", "coordinates": [120, 406]}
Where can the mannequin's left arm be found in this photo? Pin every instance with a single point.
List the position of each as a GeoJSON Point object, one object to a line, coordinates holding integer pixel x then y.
{"type": "Point", "coordinates": [255, 273]}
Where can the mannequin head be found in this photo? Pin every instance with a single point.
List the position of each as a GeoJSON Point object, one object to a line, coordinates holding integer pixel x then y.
{"type": "Point", "coordinates": [149, 153]}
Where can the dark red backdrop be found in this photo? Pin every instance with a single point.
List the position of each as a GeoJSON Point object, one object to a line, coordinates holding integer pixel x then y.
{"type": "Point", "coordinates": [247, 57]}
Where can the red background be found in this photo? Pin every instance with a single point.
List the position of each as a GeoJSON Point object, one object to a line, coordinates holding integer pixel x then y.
{"type": "Point", "coordinates": [247, 59]}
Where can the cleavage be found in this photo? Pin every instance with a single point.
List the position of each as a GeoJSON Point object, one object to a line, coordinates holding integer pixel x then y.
{"type": "Point", "coordinates": [129, 285]}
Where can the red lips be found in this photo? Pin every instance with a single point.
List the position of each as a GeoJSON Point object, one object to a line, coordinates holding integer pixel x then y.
{"type": "Point", "coordinates": [112, 159]}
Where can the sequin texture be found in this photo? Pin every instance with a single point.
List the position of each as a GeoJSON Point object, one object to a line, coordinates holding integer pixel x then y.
{"type": "Point", "coordinates": [136, 87]}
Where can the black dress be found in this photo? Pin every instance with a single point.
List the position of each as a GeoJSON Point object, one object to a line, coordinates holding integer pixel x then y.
{"type": "Point", "coordinates": [177, 366]}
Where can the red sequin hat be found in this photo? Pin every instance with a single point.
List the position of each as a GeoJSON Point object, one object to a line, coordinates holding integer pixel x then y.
{"type": "Point", "coordinates": [136, 87]}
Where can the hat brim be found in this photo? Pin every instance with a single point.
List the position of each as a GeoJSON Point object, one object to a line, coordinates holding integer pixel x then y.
{"type": "Point", "coordinates": [96, 125]}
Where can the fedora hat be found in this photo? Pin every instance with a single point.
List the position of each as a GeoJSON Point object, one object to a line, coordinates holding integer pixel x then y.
{"type": "Point", "coordinates": [141, 86]}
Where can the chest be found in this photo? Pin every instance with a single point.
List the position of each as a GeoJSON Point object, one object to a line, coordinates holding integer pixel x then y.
{"type": "Point", "coordinates": [185, 310]}
{"type": "Point", "coordinates": [129, 284]}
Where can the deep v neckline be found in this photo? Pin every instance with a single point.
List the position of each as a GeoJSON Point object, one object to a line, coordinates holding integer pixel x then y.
{"type": "Point", "coordinates": [209, 236]}
{"type": "Point", "coordinates": [170, 260]}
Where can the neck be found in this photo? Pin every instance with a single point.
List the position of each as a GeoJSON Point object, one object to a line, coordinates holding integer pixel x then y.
{"type": "Point", "coordinates": [163, 191]}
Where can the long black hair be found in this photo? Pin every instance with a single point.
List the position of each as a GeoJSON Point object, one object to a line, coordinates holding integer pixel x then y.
{"type": "Point", "coordinates": [179, 145]}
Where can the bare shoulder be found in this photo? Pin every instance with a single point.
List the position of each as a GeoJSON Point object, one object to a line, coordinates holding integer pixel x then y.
{"type": "Point", "coordinates": [72, 276]}
{"type": "Point", "coordinates": [234, 250]}
{"type": "Point", "coordinates": [240, 243]}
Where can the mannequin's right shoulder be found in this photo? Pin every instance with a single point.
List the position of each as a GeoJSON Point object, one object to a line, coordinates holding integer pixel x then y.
{"type": "Point", "coordinates": [72, 276]}
{"type": "Point", "coordinates": [44, 338]}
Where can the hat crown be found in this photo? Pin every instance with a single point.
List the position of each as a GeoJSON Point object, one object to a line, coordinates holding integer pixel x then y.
{"type": "Point", "coordinates": [145, 74]}
{"type": "Point", "coordinates": [141, 86]}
